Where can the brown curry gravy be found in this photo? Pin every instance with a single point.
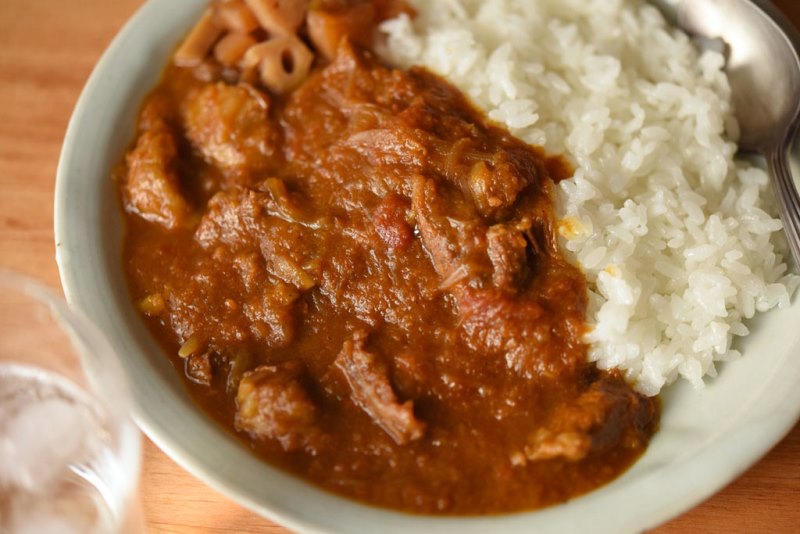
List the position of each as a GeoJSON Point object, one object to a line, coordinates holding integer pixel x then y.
{"type": "Point", "coordinates": [365, 284]}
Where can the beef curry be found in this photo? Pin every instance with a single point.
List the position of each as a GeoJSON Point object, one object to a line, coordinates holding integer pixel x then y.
{"type": "Point", "coordinates": [360, 277]}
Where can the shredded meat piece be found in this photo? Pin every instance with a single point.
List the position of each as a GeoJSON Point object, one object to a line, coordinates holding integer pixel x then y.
{"type": "Point", "coordinates": [450, 240]}
{"type": "Point", "coordinates": [591, 424]}
{"type": "Point", "coordinates": [386, 146]}
{"type": "Point", "coordinates": [272, 312]}
{"type": "Point", "coordinates": [391, 224]}
{"type": "Point", "coordinates": [506, 247]}
{"type": "Point", "coordinates": [247, 220]}
{"type": "Point", "coordinates": [273, 404]}
{"type": "Point", "coordinates": [369, 381]}
{"type": "Point", "coordinates": [496, 317]}
{"type": "Point", "coordinates": [198, 368]}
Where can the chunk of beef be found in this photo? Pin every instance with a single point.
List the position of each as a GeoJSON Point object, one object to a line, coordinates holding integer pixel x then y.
{"type": "Point", "coordinates": [389, 147]}
{"type": "Point", "coordinates": [507, 249]}
{"type": "Point", "coordinates": [391, 224]}
{"type": "Point", "coordinates": [608, 415]}
{"type": "Point", "coordinates": [496, 184]}
{"type": "Point", "coordinates": [375, 285]}
{"type": "Point", "coordinates": [372, 391]}
{"type": "Point", "coordinates": [232, 219]}
{"type": "Point", "coordinates": [230, 127]}
{"type": "Point", "coordinates": [452, 236]}
{"type": "Point", "coordinates": [438, 235]}
{"type": "Point", "coordinates": [249, 232]}
{"type": "Point", "coordinates": [198, 369]}
{"type": "Point", "coordinates": [487, 272]}
{"type": "Point", "coordinates": [272, 403]}
{"type": "Point", "coordinates": [272, 312]}
{"type": "Point", "coordinates": [152, 189]}
{"type": "Point", "coordinates": [247, 220]}
{"type": "Point", "coordinates": [514, 328]}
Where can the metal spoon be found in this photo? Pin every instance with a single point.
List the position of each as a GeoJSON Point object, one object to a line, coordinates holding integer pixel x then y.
{"type": "Point", "coordinates": [764, 71]}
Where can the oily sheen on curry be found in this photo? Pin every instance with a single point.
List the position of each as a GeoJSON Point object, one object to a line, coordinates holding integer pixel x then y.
{"type": "Point", "coordinates": [360, 276]}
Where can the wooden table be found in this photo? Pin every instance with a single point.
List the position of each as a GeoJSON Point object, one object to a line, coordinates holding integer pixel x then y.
{"type": "Point", "coordinates": [47, 49]}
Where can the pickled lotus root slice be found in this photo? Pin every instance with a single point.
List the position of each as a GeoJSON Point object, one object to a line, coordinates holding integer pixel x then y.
{"type": "Point", "coordinates": [281, 63]}
{"type": "Point", "coordinates": [279, 17]}
{"type": "Point", "coordinates": [198, 43]}
{"type": "Point", "coordinates": [235, 16]}
{"type": "Point", "coordinates": [231, 49]}
{"type": "Point", "coordinates": [327, 29]}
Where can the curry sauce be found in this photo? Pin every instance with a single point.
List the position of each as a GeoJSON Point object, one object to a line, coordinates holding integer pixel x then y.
{"type": "Point", "coordinates": [361, 279]}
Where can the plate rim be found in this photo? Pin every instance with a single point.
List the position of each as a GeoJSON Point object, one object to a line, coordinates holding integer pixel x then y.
{"type": "Point", "coordinates": [74, 281]}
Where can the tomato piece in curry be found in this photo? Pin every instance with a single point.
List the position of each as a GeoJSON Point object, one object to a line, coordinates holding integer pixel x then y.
{"type": "Point", "coordinates": [361, 279]}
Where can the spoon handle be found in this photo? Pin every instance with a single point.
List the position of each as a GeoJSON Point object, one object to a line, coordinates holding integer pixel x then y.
{"type": "Point", "coordinates": [788, 199]}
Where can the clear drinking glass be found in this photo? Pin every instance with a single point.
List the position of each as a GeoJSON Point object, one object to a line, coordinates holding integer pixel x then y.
{"type": "Point", "coordinates": [69, 451]}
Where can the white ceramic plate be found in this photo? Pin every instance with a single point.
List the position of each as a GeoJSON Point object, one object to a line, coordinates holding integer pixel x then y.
{"type": "Point", "coordinates": [707, 437]}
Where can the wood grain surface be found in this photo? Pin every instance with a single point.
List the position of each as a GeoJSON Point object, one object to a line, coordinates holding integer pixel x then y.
{"type": "Point", "coordinates": [47, 50]}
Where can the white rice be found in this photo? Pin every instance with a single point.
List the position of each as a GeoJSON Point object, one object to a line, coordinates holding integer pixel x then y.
{"type": "Point", "coordinates": [677, 239]}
